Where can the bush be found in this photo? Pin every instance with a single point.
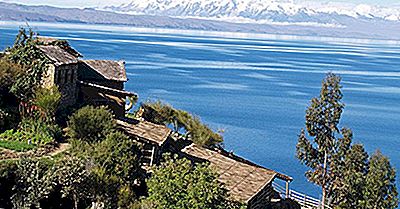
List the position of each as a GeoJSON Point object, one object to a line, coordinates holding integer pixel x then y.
{"type": "Point", "coordinates": [9, 73]}
{"type": "Point", "coordinates": [181, 121]}
{"type": "Point", "coordinates": [91, 124]}
{"type": "Point", "coordinates": [47, 100]}
{"type": "Point", "coordinates": [177, 185]}
{"type": "Point", "coordinates": [32, 131]}
{"type": "Point", "coordinates": [119, 156]}
{"type": "Point", "coordinates": [7, 182]}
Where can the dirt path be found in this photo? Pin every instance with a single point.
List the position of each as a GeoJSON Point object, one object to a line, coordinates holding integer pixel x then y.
{"type": "Point", "coordinates": [6, 154]}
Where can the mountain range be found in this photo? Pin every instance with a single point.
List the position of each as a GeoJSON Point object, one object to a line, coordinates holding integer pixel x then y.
{"type": "Point", "coordinates": [261, 11]}
{"type": "Point", "coordinates": [255, 16]}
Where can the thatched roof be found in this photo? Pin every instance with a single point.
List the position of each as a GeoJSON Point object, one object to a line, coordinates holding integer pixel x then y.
{"type": "Point", "coordinates": [153, 133]}
{"type": "Point", "coordinates": [111, 70]}
{"type": "Point", "coordinates": [242, 178]}
{"type": "Point", "coordinates": [50, 41]}
{"type": "Point", "coordinates": [46, 40]}
{"type": "Point", "coordinates": [58, 55]}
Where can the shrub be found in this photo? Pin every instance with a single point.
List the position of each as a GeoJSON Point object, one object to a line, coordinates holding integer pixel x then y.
{"type": "Point", "coordinates": [47, 100]}
{"type": "Point", "coordinates": [119, 156]}
{"type": "Point", "coordinates": [176, 184]}
{"type": "Point", "coordinates": [9, 73]}
{"type": "Point", "coordinates": [181, 121]}
{"type": "Point", "coordinates": [91, 124]}
{"type": "Point", "coordinates": [32, 131]}
{"type": "Point", "coordinates": [33, 184]}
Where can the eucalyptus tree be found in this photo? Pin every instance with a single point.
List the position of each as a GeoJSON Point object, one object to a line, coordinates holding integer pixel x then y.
{"type": "Point", "coordinates": [322, 120]}
{"type": "Point", "coordinates": [380, 187]}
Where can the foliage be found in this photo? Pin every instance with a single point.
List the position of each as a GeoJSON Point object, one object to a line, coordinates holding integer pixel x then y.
{"type": "Point", "coordinates": [181, 121]}
{"type": "Point", "coordinates": [16, 145]}
{"type": "Point", "coordinates": [176, 184]}
{"type": "Point", "coordinates": [9, 115]}
{"type": "Point", "coordinates": [47, 100]}
{"type": "Point", "coordinates": [349, 169]}
{"type": "Point", "coordinates": [9, 73]}
{"type": "Point", "coordinates": [7, 182]}
{"type": "Point", "coordinates": [91, 124]}
{"type": "Point", "coordinates": [119, 156]}
{"type": "Point", "coordinates": [338, 166]}
{"type": "Point", "coordinates": [380, 187]}
{"type": "Point", "coordinates": [26, 53]}
{"type": "Point", "coordinates": [73, 177]}
{"type": "Point", "coordinates": [32, 131]}
{"type": "Point", "coordinates": [33, 184]}
{"type": "Point", "coordinates": [322, 119]}
{"type": "Point", "coordinates": [114, 169]}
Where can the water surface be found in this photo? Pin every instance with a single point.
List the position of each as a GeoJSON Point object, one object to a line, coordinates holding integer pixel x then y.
{"type": "Point", "coordinates": [255, 87]}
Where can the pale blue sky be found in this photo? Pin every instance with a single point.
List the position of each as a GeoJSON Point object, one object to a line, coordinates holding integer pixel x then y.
{"type": "Point", "coordinates": [95, 3]}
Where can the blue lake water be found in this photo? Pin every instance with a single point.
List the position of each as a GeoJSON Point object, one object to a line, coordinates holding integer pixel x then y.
{"type": "Point", "coordinates": [256, 87]}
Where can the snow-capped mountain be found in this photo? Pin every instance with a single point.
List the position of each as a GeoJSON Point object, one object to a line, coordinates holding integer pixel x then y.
{"type": "Point", "coordinates": [261, 11]}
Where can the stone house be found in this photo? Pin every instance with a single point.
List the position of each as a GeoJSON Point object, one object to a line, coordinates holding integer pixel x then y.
{"type": "Point", "coordinates": [84, 82]}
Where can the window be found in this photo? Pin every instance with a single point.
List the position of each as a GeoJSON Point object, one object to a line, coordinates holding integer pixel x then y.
{"type": "Point", "coordinates": [72, 75]}
{"type": "Point", "coordinates": [66, 76]}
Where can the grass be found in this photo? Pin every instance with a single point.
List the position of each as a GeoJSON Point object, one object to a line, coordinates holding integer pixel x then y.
{"type": "Point", "coordinates": [16, 145]}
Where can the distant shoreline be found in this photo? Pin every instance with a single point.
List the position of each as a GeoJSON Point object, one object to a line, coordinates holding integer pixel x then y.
{"type": "Point", "coordinates": [354, 29]}
{"type": "Point", "coordinates": [192, 32]}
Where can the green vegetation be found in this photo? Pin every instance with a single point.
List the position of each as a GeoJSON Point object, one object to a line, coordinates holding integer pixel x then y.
{"type": "Point", "coordinates": [91, 124]}
{"type": "Point", "coordinates": [9, 114]}
{"type": "Point", "coordinates": [380, 186]}
{"type": "Point", "coordinates": [175, 184]}
{"type": "Point", "coordinates": [347, 176]}
{"type": "Point", "coordinates": [47, 100]}
{"type": "Point", "coordinates": [25, 53]}
{"type": "Point", "coordinates": [182, 122]}
{"type": "Point", "coordinates": [16, 145]}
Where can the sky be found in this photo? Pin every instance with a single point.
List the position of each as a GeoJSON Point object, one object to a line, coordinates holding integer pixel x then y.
{"type": "Point", "coordinates": [99, 3]}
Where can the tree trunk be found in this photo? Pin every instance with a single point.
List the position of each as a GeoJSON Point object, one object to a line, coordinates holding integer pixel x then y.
{"type": "Point", "coordinates": [75, 202]}
{"type": "Point", "coordinates": [324, 181]}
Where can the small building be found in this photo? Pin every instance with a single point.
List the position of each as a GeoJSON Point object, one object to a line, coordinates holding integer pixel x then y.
{"type": "Point", "coordinates": [62, 71]}
{"type": "Point", "coordinates": [102, 83]}
{"type": "Point", "coordinates": [155, 138]}
{"type": "Point", "coordinates": [87, 82]}
{"type": "Point", "coordinates": [246, 182]}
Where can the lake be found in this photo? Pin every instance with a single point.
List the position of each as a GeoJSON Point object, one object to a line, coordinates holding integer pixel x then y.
{"type": "Point", "coordinates": [256, 87]}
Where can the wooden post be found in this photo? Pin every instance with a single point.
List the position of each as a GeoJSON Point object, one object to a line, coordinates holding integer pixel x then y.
{"type": "Point", "coordinates": [305, 200]}
{"type": "Point", "coordinates": [152, 155]}
{"type": "Point", "coordinates": [287, 189]}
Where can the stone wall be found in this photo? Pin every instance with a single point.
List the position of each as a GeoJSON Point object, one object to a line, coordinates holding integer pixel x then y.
{"type": "Point", "coordinates": [262, 199]}
{"type": "Point", "coordinates": [65, 77]}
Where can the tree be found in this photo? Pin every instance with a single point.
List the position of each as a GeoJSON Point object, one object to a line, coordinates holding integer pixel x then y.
{"type": "Point", "coordinates": [91, 124]}
{"type": "Point", "coordinates": [73, 177]}
{"type": "Point", "coordinates": [33, 184]}
{"type": "Point", "coordinates": [119, 156]}
{"type": "Point", "coordinates": [349, 168]}
{"type": "Point", "coordinates": [25, 53]}
{"type": "Point", "coordinates": [380, 187]}
{"type": "Point", "coordinates": [176, 184]}
{"type": "Point", "coordinates": [322, 119]}
{"type": "Point", "coordinates": [181, 121]}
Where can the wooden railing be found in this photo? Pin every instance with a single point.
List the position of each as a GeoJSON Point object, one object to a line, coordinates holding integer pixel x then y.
{"type": "Point", "coordinates": [305, 201]}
